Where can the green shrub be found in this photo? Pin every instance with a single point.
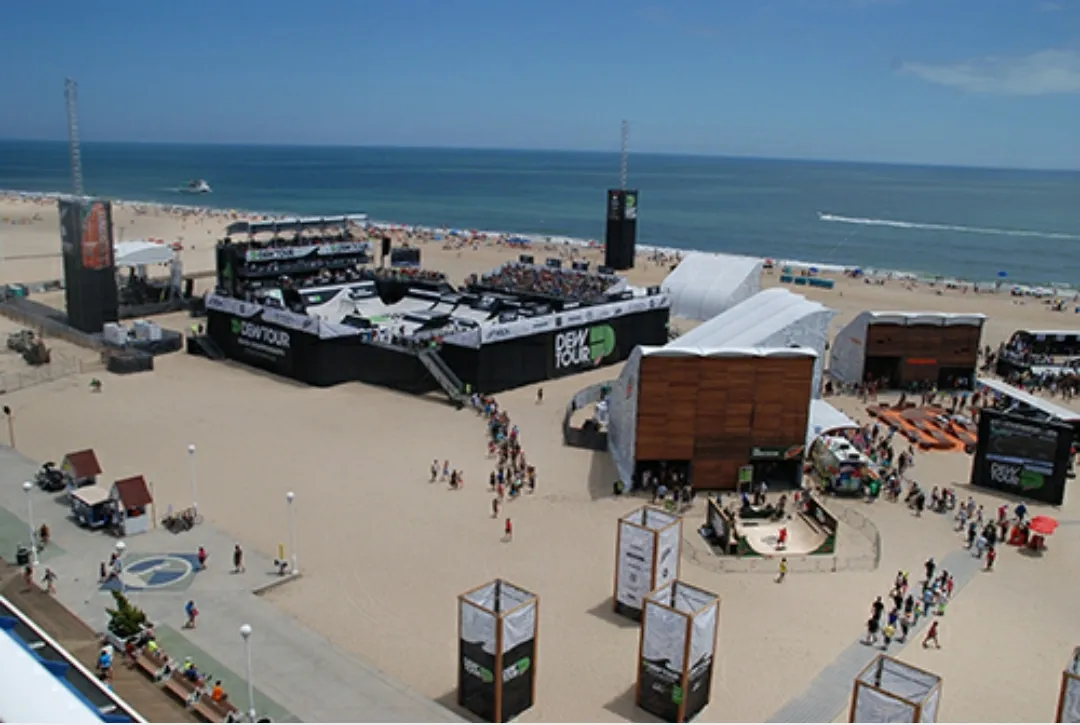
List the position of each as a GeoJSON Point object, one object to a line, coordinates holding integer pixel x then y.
{"type": "Point", "coordinates": [126, 620]}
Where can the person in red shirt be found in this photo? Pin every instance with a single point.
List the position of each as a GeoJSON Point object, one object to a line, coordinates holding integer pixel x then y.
{"type": "Point", "coordinates": [932, 636]}
{"type": "Point", "coordinates": [781, 538]}
{"type": "Point", "coordinates": [509, 530]}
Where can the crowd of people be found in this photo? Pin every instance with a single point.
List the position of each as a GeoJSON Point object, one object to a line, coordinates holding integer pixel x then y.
{"type": "Point", "coordinates": [563, 284]}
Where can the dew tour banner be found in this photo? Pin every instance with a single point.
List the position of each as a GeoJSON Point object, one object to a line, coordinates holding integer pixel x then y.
{"type": "Point", "coordinates": [497, 654]}
{"type": "Point", "coordinates": [583, 348]}
{"type": "Point", "coordinates": [663, 654]}
{"type": "Point", "coordinates": [702, 654]}
{"type": "Point", "coordinates": [667, 558]}
{"type": "Point", "coordinates": [477, 661]}
{"type": "Point", "coordinates": [1022, 456]}
{"type": "Point", "coordinates": [633, 578]}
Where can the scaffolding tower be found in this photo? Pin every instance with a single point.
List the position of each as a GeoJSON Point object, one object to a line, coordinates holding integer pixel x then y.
{"type": "Point", "coordinates": [71, 92]}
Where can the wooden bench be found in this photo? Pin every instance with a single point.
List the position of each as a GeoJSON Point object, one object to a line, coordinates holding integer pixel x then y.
{"type": "Point", "coordinates": [151, 664]}
{"type": "Point", "coordinates": [211, 711]}
{"type": "Point", "coordinates": [181, 688]}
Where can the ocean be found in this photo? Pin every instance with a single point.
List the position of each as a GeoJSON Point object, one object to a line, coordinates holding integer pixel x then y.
{"type": "Point", "coordinates": [975, 224]}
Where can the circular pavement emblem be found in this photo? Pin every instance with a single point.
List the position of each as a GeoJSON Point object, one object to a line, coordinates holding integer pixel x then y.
{"type": "Point", "coordinates": [156, 571]}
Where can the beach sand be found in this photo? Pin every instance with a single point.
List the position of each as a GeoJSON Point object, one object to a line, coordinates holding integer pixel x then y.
{"type": "Point", "coordinates": [385, 553]}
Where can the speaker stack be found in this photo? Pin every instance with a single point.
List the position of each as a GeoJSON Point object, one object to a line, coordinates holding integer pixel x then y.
{"type": "Point", "coordinates": [620, 240]}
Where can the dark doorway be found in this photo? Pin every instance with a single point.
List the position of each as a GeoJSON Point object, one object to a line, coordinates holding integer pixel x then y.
{"type": "Point", "coordinates": [886, 369]}
{"type": "Point", "coordinates": [779, 475]}
{"type": "Point", "coordinates": [670, 473]}
{"type": "Point", "coordinates": [955, 378]}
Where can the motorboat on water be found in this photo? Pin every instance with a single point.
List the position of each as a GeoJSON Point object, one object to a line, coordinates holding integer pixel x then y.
{"type": "Point", "coordinates": [198, 186]}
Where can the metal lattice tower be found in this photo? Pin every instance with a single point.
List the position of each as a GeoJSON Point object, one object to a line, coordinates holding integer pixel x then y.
{"type": "Point", "coordinates": [624, 154]}
{"type": "Point", "coordinates": [71, 92]}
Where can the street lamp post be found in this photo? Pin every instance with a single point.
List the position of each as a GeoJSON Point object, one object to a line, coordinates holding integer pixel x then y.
{"type": "Point", "coordinates": [27, 487]}
{"type": "Point", "coordinates": [10, 425]}
{"type": "Point", "coordinates": [194, 480]}
{"type": "Point", "coordinates": [120, 548]}
{"type": "Point", "coordinates": [289, 498]}
{"type": "Point", "coordinates": [245, 632]}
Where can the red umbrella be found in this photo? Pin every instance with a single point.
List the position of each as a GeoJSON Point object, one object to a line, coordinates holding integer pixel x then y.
{"type": "Point", "coordinates": [1044, 525]}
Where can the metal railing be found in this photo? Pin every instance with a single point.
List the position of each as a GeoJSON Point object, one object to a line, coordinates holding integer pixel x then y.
{"type": "Point", "coordinates": [60, 366]}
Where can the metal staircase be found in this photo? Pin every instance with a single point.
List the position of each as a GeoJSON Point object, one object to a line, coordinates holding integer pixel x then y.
{"type": "Point", "coordinates": [443, 375]}
{"type": "Point", "coordinates": [209, 347]}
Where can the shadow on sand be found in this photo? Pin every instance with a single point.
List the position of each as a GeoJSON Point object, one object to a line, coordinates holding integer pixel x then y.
{"type": "Point", "coordinates": [623, 707]}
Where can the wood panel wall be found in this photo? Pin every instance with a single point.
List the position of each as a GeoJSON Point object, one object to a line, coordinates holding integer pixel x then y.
{"type": "Point", "coordinates": [712, 411]}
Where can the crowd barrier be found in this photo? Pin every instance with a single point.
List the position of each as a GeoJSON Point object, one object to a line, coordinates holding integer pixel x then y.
{"type": "Point", "coordinates": [60, 366]}
{"type": "Point", "coordinates": [594, 440]}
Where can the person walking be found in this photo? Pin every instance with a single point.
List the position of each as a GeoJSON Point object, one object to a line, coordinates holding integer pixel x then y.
{"type": "Point", "coordinates": [508, 531]}
{"type": "Point", "coordinates": [238, 559]}
{"type": "Point", "coordinates": [203, 556]}
{"type": "Point", "coordinates": [49, 580]}
{"type": "Point", "coordinates": [192, 612]}
{"type": "Point", "coordinates": [871, 631]}
{"type": "Point", "coordinates": [887, 635]}
{"type": "Point", "coordinates": [932, 636]}
{"type": "Point", "coordinates": [782, 572]}
{"type": "Point", "coordinates": [991, 557]}
{"type": "Point", "coordinates": [930, 566]}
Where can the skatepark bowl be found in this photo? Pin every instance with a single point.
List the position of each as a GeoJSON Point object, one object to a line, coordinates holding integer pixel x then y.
{"type": "Point", "coordinates": [762, 536]}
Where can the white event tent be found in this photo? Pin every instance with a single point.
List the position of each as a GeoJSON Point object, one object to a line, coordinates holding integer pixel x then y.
{"type": "Point", "coordinates": [137, 254]}
{"type": "Point", "coordinates": [773, 322]}
{"type": "Point", "coordinates": [704, 285]}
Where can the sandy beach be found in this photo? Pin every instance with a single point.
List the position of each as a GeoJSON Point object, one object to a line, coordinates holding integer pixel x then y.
{"type": "Point", "coordinates": [385, 553]}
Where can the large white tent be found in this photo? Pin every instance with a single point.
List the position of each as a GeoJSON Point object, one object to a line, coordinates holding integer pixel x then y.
{"type": "Point", "coordinates": [847, 360]}
{"type": "Point", "coordinates": [775, 319]}
{"type": "Point", "coordinates": [826, 419]}
{"type": "Point", "coordinates": [704, 285]}
{"type": "Point", "coordinates": [137, 254]}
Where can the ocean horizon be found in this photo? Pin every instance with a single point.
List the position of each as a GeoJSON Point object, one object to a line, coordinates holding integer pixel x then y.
{"type": "Point", "coordinates": [1013, 225]}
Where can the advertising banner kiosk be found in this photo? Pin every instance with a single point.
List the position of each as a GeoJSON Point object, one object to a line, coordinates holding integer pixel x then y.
{"type": "Point", "coordinates": [648, 551]}
{"type": "Point", "coordinates": [889, 690]}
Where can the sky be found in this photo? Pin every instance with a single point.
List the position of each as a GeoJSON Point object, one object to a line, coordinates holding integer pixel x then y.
{"type": "Point", "coordinates": [959, 82]}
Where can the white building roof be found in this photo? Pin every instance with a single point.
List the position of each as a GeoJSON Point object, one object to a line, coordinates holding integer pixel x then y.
{"type": "Point", "coordinates": [673, 350]}
{"type": "Point", "coordinates": [704, 285]}
{"type": "Point", "coordinates": [946, 319]}
{"type": "Point", "coordinates": [753, 322]}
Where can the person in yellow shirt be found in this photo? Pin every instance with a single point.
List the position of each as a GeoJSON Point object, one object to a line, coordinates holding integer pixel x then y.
{"type": "Point", "coordinates": [783, 570]}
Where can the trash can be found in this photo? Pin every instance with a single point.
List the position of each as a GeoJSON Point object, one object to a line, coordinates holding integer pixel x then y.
{"type": "Point", "coordinates": [22, 555]}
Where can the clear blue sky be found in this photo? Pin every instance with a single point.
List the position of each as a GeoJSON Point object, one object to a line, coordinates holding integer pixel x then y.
{"type": "Point", "coordinates": [984, 82]}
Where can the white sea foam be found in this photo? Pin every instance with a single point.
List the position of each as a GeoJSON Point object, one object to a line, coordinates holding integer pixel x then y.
{"type": "Point", "coordinates": [942, 227]}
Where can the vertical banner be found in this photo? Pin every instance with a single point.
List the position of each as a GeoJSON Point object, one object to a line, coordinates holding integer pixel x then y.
{"type": "Point", "coordinates": [519, 660]}
{"type": "Point", "coordinates": [476, 660]}
{"type": "Point", "coordinates": [702, 655]}
{"type": "Point", "coordinates": [634, 568]}
{"type": "Point", "coordinates": [663, 633]}
{"type": "Point", "coordinates": [667, 558]}
{"type": "Point", "coordinates": [96, 239]}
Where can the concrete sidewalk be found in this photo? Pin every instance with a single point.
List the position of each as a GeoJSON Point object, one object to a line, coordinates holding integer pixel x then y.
{"type": "Point", "coordinates": [298, 675]}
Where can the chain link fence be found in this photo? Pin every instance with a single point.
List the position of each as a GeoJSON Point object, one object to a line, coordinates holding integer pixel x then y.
{"type": "Point", "coordinates": [59, 366]}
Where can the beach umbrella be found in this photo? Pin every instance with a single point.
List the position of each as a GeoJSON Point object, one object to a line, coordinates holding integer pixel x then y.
{"type": "Point", "coordinates": [1044, 525]}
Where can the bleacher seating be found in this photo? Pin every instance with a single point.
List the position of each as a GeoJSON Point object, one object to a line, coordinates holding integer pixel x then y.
{"type": "Point", "coordinates": [563, 284]}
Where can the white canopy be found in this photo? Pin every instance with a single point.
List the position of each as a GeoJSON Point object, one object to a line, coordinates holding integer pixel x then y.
{"type": "Point", "coordinates": [848, 358]}
{"type": "Point", "coordinates": [825, 419]}
{"type": "Point", "coordinates": [704, 285]}
{"type": "Point", "coordinates": [134, 254]}
{"type": "Point", "coordinates": [1044, 406]}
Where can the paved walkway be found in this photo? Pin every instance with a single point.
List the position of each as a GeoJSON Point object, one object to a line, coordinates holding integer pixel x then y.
{"type": "Point", "coordinates": [829, 693]}
{"type": "Point", "coordinates": [299, 676]}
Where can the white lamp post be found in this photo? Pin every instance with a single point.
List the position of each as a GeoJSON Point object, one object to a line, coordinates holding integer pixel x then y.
{"type": "Point", "coordinates": [245, 632]}
{"type": "Point", "coordinates": [120, 548]}
{"type": "Point", "coordinates": [289, 498]}
{"type": "Point", "coordinates": [27, 487]}
{"type": "Point", "coordinates": [194, 480]}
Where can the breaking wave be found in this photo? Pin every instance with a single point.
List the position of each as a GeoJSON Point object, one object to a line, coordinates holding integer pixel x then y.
{"type": "Point", "coordinates": [836, 218]}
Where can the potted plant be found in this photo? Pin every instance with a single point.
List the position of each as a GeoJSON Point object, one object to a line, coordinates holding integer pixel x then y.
{"type": "Point", "coordinates": [126, 621]}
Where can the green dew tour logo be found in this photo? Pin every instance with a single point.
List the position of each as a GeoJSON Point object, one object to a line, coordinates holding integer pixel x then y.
{"type": "Point", "coordinates": [237, 326]}
{"type": "Point", "coordinates": [587, 346]}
